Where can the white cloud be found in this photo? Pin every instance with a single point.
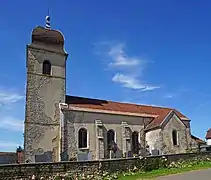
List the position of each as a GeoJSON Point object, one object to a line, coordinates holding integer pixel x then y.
{"type": "Point", "coordinates": [120, 58]}
{"type": "Point", "coordinates": [128, 69]}
{"type": "Point", "coordinates": [153, 105]}
{"type": "Point", "coordinates": [142, 104]}
{"type": "Point", "coordinates": [7, 98]}
{"type": "Point", "coordinates": [132, 82]}
{"type": "Point", "coordinates": [150, 88]}
{"type": "Point", "coordinates": [12, 124]}
{"type": "Point", "coordinates": [180, 91]}
{"type": "Point", "coordinates": [168, 96]}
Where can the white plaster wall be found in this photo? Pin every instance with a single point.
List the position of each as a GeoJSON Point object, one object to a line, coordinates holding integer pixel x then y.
{"type": "Point", "coordinates": [152, 137]}
{"type": "Point", "coordinates": [109, 121]}
{"type": "Point", "coordinates": [208, 141]}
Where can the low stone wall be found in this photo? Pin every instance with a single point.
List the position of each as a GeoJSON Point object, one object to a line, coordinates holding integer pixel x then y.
{"type": "Point", "coordinates": [94, 168]}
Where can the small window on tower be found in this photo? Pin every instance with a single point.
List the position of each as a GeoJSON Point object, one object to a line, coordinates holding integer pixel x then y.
{"type": "Point", "coordinates": [46, 67]}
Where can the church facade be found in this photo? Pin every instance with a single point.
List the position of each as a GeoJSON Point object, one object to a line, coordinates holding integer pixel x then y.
{"type": "Point", "coordinates": [59, 127]}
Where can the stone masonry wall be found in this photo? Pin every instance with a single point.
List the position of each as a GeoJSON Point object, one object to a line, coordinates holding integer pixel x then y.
{"type": "Point", "coordinates": [25, 171]}
{"type": "Point", "coordinates": [175, 124]}
{"type": "Point", "coordinates": [42, 121]}
{"type": "Point", "coordinates": [161, 139]}
{"type": "Point", "coordinates": [123, 126]}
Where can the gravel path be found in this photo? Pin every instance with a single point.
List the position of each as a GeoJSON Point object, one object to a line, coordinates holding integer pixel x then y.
{"type": "Point", "coordinates": [191, 175]}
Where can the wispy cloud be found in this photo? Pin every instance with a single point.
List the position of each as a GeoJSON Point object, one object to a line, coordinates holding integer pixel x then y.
{"type": "Point", "coordinates": [128, 69]}
{"type": "Point", "coordinates": [143, 104]}
{"type": "Point", "coordinates": [168, 96]}
{"type": "Point", "coordinates": [203, 104]}
{"type": "Point", "coordinates": [130, 82]}
{"type": "Point", "coordinates": [12, 124]}
{"type": "Point", "coordinates": [7, 98]}
{"type": "Point", "coordinates": [119, 57]}
{"type": "Point", "coordinates": [177, 93]}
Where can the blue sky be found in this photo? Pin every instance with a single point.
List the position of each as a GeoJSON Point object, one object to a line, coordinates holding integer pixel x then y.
{"type": "Point", "coordinates": [140, 51]}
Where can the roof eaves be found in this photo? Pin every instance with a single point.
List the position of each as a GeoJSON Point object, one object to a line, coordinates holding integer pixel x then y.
{"type": "Point", "coordinates": [110, 112]}
{"type": "Point", "coordinates": [197, 139]}
{"type": "Point", "coordinates": [152, 128]}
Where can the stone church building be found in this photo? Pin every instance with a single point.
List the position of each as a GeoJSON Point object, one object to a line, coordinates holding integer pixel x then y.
{"type": "Point", "coordinates": [60, 127]}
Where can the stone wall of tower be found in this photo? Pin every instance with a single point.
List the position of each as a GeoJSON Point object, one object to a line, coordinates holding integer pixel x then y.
{"type": "Point", "coordinates": [43, 95]}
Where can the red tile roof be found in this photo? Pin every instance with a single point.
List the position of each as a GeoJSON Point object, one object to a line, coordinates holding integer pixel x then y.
{"type": "Point", "coordinates": [7, 153]}
{"type": "Point", "coordinates": [198, 140]}
{"type": "Point", "coordinates": [12, 157]}
{"type": "Point", "coordinates": [158, 120]}
{"type": "Point", "coordinates": [208, 135]}
{"type": "Point", "coordinates": [97, 104]}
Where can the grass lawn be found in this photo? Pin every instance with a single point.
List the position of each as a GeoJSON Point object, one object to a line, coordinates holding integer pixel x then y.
{"type": "Point", "coordinates": [162, 172]}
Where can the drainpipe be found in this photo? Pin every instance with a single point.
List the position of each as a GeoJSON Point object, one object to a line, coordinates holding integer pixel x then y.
{"type": "Point", "coordinates": [61, 124]}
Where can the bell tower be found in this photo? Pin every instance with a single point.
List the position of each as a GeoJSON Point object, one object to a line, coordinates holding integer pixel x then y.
{"type": "Point", "coordinates": [45, 89]}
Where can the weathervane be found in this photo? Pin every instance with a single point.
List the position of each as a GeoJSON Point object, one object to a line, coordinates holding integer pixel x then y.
{"type": "Point", "coordinates": [47, 20]}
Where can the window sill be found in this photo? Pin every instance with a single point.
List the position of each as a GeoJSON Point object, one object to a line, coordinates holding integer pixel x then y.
{"type": "Point", "coordinates": [83, 149]}
{"type": "Point", "coordinates": [176, 145]}
{"type": "Point", "coordinates": [49, 75]}
{"type": "Point", "coordinates": [127, 137]}
{"type": "Point", "coordinates": [100, 137]}
{"type": "Point", "coordinates": [40, 74]}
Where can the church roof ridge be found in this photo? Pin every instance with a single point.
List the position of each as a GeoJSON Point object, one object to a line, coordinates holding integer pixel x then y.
{"type": "Point", "coordinates": [94, 103]}
{"type": "Point", "coordinates": [121, 102]}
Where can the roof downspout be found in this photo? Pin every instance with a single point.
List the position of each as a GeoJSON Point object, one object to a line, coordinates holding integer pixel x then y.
{"type": "Point", "coordinates": [61, 124]}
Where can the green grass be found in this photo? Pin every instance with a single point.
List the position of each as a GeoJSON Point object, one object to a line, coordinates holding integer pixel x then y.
{"type": "Point", "coordinates": [163, 172]}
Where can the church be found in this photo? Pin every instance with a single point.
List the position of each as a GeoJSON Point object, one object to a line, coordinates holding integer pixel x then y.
{"type": "Point", "coordinates": [61, 127]}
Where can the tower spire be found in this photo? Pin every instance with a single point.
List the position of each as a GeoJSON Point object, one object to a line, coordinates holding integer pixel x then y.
{"type": "Point", "coordinates": [47, 20]}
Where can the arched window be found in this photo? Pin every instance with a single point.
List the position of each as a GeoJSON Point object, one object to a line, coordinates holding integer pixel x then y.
{"type": "Point", "coordinates": [175, 137]}
{"type": "Point", "coordinates": [135, 143]}
{"type": "Point", "coordinates": [110, 139]}
{"type": "Point", "coordinates": [82, 138]}
{"type": "Point", "coordinates": [46, 69]}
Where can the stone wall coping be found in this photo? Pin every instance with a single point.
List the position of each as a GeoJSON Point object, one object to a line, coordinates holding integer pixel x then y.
{"type": "Point", "coordinates": [97, 167]}
{"type": "Point", "coordinates": [106, 160]}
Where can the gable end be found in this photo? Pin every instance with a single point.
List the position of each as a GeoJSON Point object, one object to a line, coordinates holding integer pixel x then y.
{"type": "Point", "coordinates": [169, 117]}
